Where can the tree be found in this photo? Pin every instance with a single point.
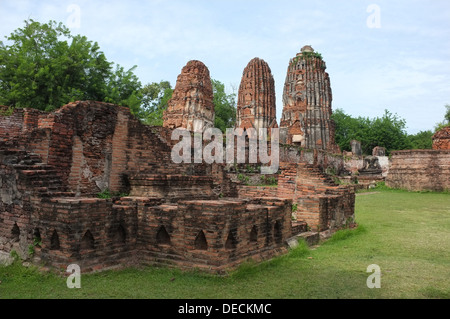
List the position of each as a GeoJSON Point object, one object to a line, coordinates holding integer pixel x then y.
{"type": "Point", "coordinates": [389, 132]}
{"type": "Point", "coordinates": [43, 66]}
{"type": "Point", "coordinates": [224, 106]}
{"type": "Point", "coordinates": [446, 121]}
{"type": "Point", "coordinates": [155, 99]}
{"type": "Point", "coordinates": [422, 140]}
{"type": "Point", "coordinates": [347, 129]}
{"type": "Point", "coordinates": [124, 88]}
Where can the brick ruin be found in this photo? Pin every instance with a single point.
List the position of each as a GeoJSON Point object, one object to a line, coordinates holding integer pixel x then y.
{"type": "Point", "coordinates": [191, 106]}
{"type": "Point", "coordinates": [256, 98]}
{"type": "Point", "coordinates": [420, 170]}
{"type": "Point", "coordinates": [54, 165]}
{"type": "Point", "coordinates": [307, 99]}
{"type": "Point", "coordinates": [441, 140]}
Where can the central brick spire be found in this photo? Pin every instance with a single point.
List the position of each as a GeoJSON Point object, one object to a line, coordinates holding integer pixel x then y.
{"type": "Point", "coordinates": [256, 99]}
{"type": "Point", "coordinates": [306, 118]}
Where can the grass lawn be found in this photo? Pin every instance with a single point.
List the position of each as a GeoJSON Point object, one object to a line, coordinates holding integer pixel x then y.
{"type": "Point", "coordinates": [406, 234]}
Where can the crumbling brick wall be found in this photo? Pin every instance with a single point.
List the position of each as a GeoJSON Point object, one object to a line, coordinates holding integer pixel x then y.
{"type": "Point", "coordinates": [419, 170]}
{"type": "Point", "coordinates": [48, 185]}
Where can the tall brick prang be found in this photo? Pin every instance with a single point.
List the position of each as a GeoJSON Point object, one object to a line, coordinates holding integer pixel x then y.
{"type": "Point", "coordinates": [256, 99]}
{"type": "Point", "coordinates": [307, 101]}
{"type": "Point", "coordinates": [191, 106]}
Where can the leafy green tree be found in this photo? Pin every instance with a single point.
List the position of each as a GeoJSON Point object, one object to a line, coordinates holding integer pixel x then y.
{"type": "Point", "coordinates": [446, 121]}
{"type": "Point", "coordinates": [155, 99]}
{"type": "Point", "coordinates": [224, 106]}
{"type": "Point", "coordinates": [124, 88]}
{"type": "Point", "coordinates": [348, 129]}
{"type": "Point", "coordinates": [43, 66]}
{"type": "Point", "coordinates": [389, 131]}
{"type": "Point", "coordinates": [422, 140]}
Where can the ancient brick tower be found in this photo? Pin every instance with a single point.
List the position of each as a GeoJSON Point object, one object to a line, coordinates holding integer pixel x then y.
{"type": "Point", "coordinates": [191, 106]}
{"type": "Point", "coordinates": [256, 99]}
{"type": "Point", "coordinates": [307, 103]}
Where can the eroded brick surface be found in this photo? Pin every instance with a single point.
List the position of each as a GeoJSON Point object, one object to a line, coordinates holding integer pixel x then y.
{"type": "Point", "coordinates": [441, 140]}
{"type": "Point", "coordinates": [52, 168]}
{"type": "Point", "coordinates": [419, 170]}
{"type": "Point", "coordinates": [191, 106]}
{"type": "Point", "coordinates": [256, 98]}
{"type": "Point", "coordinates": [307, 100]}
{"type": "Point", "coordinates": [189, 215]}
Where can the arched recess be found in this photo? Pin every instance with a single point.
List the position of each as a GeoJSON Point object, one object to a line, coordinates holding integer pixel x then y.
{"type": "Point", "coordinates": [162, 236]}
{"type": "Point", "coordinates": [37, 239]}
{"type": "Point", "coordinates": [200, 242]}
{"type": "Point", "coordinates": [254, 234]}
{"type": "Point", "coordinates": [231, 241]}
{"type": "Point", "coordinates": [277, 232]}
{"type": "Point", "coordinates": [87, 242]}
{"type": "Point", "coordinates": [120, 235]}
{"type": "Point", "coordinates": [54, 241]}
{"type": "Point", "coordinates": [15, 233]}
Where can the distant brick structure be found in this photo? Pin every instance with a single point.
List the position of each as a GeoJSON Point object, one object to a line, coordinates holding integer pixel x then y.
{"type": "Point", "coordinates": [191, 106]}
{"type": "Point", "coordinates": [256, 98]}
{"type": "Point", "coordinates": [307, 100]}
{"type": "Point", "coordinates": [420, 170]}
{"type": "Point", "coordinates": [441, 140]}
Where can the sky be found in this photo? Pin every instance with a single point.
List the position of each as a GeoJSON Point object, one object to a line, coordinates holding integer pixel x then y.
{"type": "Point", "coordinates": [380, 55]}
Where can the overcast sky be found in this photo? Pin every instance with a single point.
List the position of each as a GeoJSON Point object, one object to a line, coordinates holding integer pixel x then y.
{"type": "Point", "coordinates": [380, 54]}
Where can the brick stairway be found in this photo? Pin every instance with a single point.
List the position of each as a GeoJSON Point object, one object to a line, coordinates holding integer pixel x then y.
{"type": "Point", "coordinates": [42, 179]}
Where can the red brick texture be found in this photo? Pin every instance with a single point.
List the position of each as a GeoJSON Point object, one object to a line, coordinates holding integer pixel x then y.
{"type": "Point", "coordinates": [256, 97]}
{"type": "Point", "coordinates": [185, 215]}
{"type": "Point", "coordinates": [307, 100]}
{"type": "Point", "coordinates": [172, 216]}
{"type": "Point", "coordinates": [419, 170]}
{"type": "Point", "coordinates": [191, 106]}
{"type": "Point", "coordinates": [441, 140]}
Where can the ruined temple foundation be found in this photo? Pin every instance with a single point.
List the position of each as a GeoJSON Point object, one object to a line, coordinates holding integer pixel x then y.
{"type": "Point", "coordinates": [53, 165]}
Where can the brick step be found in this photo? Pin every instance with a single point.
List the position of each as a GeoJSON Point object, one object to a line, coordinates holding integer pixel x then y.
{"type": "Point", "coordinates": [174, 169]}
{"type": "Point", "coordinates": [38, 172]}
{"type": "Point", "coordinates": [169, 178]}
{"type": "Point", "coordinates": [13, 156]}
{"type": "Point", "coordinates": [57, 194]}
{"type": "Point", "coordinates": [36, 166]}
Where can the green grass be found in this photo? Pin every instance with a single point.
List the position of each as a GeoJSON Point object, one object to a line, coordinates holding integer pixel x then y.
{"type": "Point", "coordinates": [406, 234]}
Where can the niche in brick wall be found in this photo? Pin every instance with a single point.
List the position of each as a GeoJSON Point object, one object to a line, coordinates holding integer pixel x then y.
{"type": "Point", "coordinates": [37, 237]}
{"type": "Point", "coordinates": [15, 233]}
{"type": "Point", "coordinates": [162, 236]}
{"type": "Point", "coordinates": [277, 233]}
{"type": "Point", "coordinates": [254, 234]}
{"type": "Point", "coordinates": [200, 242]}
{"type": "Point", "coordinates": [87, 242]}
{"type": "Point", "coordinates": [54, 241]}
{"type": "Point", "coordinates": [231, 242]}
{"type": "Point", "coordinates": [120, 235]}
